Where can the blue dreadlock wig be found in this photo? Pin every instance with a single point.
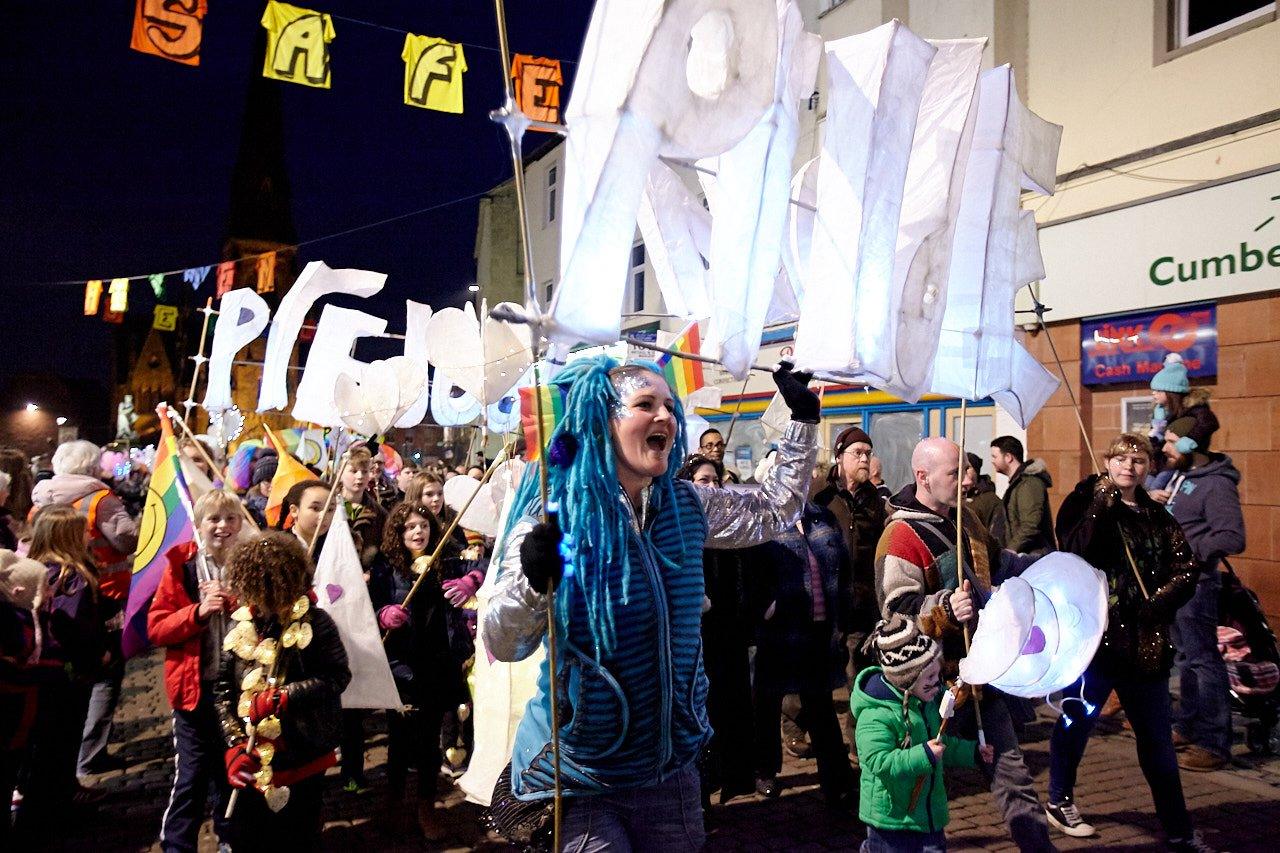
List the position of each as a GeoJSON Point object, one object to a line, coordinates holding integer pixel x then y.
{"type": "Point", "coordinates": [582, 477]}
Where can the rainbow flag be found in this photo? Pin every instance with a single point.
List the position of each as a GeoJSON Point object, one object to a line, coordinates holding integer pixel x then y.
{"type": "Point", "coordinates": [166, 524]}
{"type": "Point", "coordinates": [684, 375]}
{"type": "Point", "coordinates": [552, 413]}
{"type": "Point", "coordinates": [289, 472]}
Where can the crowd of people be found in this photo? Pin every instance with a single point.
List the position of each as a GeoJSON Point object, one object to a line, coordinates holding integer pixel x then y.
{"type": "Point", "coordinates": [705, 626]}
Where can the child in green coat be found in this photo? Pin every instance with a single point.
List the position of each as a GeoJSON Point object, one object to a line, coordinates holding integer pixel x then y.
{"type": "Point", "coordinates": [902, 800]}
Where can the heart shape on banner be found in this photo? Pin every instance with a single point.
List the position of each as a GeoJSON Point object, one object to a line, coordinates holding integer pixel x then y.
{"type": "Point", "coordinates": [371, 402]}
{"type": "Point", "coordinates": [484, 363]}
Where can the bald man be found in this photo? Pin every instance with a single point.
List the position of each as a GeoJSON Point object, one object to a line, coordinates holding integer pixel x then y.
{"type": "Point", "coordinates": [918, 575]}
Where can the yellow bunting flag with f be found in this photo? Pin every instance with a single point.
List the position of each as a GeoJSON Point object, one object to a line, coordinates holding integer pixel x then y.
{"type": "Point", "coordinates": [433, 69]}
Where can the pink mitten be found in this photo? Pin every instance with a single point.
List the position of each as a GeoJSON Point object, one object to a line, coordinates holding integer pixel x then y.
{"type": "Point", "coordinates": [459, 590]}
{"type": "Point", "coordinates": [393, 616]}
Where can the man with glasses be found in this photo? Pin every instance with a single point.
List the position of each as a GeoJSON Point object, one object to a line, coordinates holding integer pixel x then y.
{"type": "Point", "coordinates": [860, 512]}
{"type": "Point", "coordinates": [711, 445]}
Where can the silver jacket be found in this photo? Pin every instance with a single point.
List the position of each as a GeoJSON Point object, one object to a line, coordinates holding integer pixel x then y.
{"type": "Point", "coordinates": [516, 618]}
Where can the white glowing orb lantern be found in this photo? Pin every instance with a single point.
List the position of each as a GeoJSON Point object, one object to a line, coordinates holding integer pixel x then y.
{"type": "Point", "coordinates": [1039, 632]}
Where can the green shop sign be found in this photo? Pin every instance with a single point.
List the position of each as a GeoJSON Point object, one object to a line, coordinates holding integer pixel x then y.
{"type": "Point", "coordinates": [1168, 269]}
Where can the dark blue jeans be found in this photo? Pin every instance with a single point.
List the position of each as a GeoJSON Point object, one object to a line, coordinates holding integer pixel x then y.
{"type": "Point", "coordinates": [666, 817]}
{"type": "Point", "coordinates": [903, 841]}
{"type": "Point", "coordinates": [198, 765]}
{"type": "Point", "coordinates": [1146, 705]}
{"type": "Point", "coordinates": [1204, 709]}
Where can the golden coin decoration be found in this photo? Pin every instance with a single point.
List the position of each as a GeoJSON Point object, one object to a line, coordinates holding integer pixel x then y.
{"type": "Point", "coordinates": [455, 756]}
{"type": "Point", "coordinates": [290, 636]}
{"type": "Point", "coordinates": [304, 635]}
{"type": "Point", "coordinates": [242, 614]}
{"type": "Point", "coordinates": [266, 751]}
{"type": "Point", "coordinates": [300, 608]}
{"type": "Point", "coordinates": [421, 564]}
{"type": "Point", "coordinates": [265, 652]}
{"type": "Point", "coordinates": [276, 797]}
{"type": "Point", "coordinates": [245, 703]}
{"type": "Point", "coordinates": [253, 680]}
{"type": "Point", "coordinates": [269, 728]}
{"type": "Point", "coordinates": [263, 777]}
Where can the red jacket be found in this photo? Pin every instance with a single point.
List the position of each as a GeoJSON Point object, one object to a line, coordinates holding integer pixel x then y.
{"type": "Point", "coordinates": [172, 623]}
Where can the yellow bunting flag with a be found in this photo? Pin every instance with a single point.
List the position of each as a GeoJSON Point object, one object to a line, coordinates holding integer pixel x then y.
{"type": "Point", "coordinates": [433, 70]}
{"type": "Point", "coordinates": [537, 86]}
{"type": "Point", "coordinates": [297, 45]}
{"type": "Point", "coordinates": [172, 29]}
{"type": "Point", "coordinates": [119, 291]}
{"type": "Point", "coordinates": [92, 297]}
{"type": "Point", "coordinates": [165, 318]}
{"type": "Point", "coordinates": [267, 272]}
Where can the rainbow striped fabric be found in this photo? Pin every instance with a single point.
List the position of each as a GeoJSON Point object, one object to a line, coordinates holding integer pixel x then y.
{"type": "Point", "coordinates": [166, 524]}
{"type": "Point", "coordinates": [684, 375]}
{"type": "Point", "coordinates": [552, 413]}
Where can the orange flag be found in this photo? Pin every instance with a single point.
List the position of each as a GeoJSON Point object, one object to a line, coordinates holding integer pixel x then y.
{"type": "Point", "coordinates": [537, 86]}
{"type": "Point", "coordinates": [289, 473]}
{"type": "Point", "coordinates": [267, 272]}
{"type": "Point", "coordinates": [171, 29]}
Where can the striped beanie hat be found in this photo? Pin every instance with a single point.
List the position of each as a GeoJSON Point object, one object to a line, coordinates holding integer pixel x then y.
{"type": "Point", "coordinates": [903, 651]}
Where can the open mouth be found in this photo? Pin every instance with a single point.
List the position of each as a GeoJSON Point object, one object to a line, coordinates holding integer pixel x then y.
{"type": "Point", "coordinates": [657, 442]}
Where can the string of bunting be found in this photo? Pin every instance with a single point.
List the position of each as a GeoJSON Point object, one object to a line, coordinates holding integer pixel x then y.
{"type": "Point", "coordinates": [298, 51]}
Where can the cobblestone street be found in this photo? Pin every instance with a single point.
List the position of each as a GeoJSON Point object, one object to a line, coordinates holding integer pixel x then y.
{"type": "Point", "coordinates": [1238, 809]}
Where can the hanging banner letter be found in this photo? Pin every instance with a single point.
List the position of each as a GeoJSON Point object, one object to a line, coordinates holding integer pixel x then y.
{"type": "Point", "coordinates": [537, 86]}
{"type": "Point", "coordinates": [433, 71]}
{"type": "Point", "coordinates": [242, 316]}
{"type": "Point", "coordinates": [297, 45]}
{"type": "Point", "coordinates": [92, 296]}
{"type": "Point", "coordinates": [165, 318]}
{"type": "Point", "coordinates": [170, 29]}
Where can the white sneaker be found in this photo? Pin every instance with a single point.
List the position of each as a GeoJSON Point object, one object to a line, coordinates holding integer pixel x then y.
{"type": "Point", "coordinates": [1066, 818]}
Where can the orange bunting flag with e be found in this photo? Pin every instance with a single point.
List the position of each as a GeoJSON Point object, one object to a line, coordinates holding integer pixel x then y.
{"type": "Point", "coordinates": [537, 87]}
{"type": "Point", "coordinates": [684, 375]}
{"type": "Point", "coordinates": [552, 413]}
{"type": "Point", "coordinates": [289, 473]}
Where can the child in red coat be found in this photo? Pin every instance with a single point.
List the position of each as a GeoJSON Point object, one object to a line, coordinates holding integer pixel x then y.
{"type": "Point", "coordinates": [188, 617]}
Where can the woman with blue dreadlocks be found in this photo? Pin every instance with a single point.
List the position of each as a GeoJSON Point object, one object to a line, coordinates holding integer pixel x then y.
{"type": "Point", "coordinates": [632, 692]}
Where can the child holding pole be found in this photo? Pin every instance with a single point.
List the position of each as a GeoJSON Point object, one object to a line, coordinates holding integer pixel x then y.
{"type": "Point", "coordinates": [902, 742]}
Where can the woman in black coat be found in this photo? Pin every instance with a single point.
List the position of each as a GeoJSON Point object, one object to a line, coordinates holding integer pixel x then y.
{"type": "Point", "coordinates": [801, 650]}
{"type": "Point", "coordinates": [1112, 523]}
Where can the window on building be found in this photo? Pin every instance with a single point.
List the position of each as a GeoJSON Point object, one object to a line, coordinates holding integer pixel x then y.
{"type": "Point", "coordinates": [553, 175]}
{"type": "Point", "coordinates": [546, 293]}
{"type": "Point", "coordinates": [637, 277]}
{"type": "Point", "coordinates": [1186, 25]}
{"type": "Point", "coordinates": [1202, 19]}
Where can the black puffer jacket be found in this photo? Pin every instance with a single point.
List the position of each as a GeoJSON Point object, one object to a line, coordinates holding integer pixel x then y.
{"type": "Point", "coordinates": [314, 679]}
{"type": "Point", "coordinates": [1091, 522]}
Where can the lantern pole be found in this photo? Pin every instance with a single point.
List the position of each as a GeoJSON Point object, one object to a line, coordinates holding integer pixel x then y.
{"type": "Point", "coordinates": [963, 462]}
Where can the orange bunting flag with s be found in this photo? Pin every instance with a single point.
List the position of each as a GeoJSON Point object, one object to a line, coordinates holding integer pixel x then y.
{"type": "Point", "coordinates": [92, 297]}
{"type": "Point", "coordinates": [537, 87]}
{"type": "Point", "coordinates": [297, 45]}
{"type": "Point", "coordinates": [170, 29]}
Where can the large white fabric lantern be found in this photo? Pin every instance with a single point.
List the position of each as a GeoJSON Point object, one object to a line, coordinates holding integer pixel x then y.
{"type": "Point", "coordinates": [1039, 632]}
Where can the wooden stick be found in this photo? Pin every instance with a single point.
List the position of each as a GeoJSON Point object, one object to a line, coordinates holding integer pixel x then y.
{"type": "Point", "coordinates": [333, 490]}
{"type": "Point", "coordinates": [199, 357]}
{"type": "Point", "coordinates": [212, 466]}
{"type": "Point", "coordinates": [964, 420]}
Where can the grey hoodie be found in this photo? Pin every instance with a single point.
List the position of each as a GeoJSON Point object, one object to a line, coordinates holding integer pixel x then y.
{"type": "Point", "coordinates": [1206, 503]}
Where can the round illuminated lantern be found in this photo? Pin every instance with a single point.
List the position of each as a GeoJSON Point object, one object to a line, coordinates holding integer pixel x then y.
{"type": "Point", "coordinates": [1039, 631]}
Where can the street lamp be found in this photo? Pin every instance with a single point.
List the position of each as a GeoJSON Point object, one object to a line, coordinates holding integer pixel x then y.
{"type": "Point", "coordinates": [474, 288]}
{"type": "Point", "coordinates": [60, 421]}
{"type": "Point", "coordinates": [32, 407]}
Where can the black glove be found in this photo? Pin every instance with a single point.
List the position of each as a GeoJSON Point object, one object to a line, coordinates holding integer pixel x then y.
{"type": "Point", "coordinates": [540, 558]}
{"type": "Point", "coordinates": [1106, 494]}
{"type": "Point", "coordinates": [794, 388]}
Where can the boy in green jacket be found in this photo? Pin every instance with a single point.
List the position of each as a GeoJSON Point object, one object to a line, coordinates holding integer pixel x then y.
{"type": "Point", "coordinates": [902, 800]}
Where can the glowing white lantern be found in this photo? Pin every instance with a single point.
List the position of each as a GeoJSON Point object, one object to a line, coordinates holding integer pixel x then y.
{"type": "Point", "coordinates": [1039, 632]}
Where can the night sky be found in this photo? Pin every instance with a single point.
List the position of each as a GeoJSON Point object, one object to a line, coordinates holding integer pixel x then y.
{"type": "Point", "coordinates": [117, 163]}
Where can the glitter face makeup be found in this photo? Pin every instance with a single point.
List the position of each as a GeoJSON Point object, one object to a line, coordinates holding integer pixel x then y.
{"type": "Point", "coordinates": [643, 426]}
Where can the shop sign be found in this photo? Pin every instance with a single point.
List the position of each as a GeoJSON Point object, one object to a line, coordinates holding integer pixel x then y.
{"type": "Point", "coordinates": [1198, 245]}
{"type": "Point", "coordinates": [1132, 347]}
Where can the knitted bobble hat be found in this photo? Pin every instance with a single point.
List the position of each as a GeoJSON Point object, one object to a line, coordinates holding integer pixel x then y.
{"type": "Point", "coordinates": [903, 651]}
{"type": "Point", "coordinates": [1172, 378]}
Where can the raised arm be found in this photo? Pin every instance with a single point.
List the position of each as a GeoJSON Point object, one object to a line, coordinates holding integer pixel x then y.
{"type": "Point", "coordinates": [737, 519]}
